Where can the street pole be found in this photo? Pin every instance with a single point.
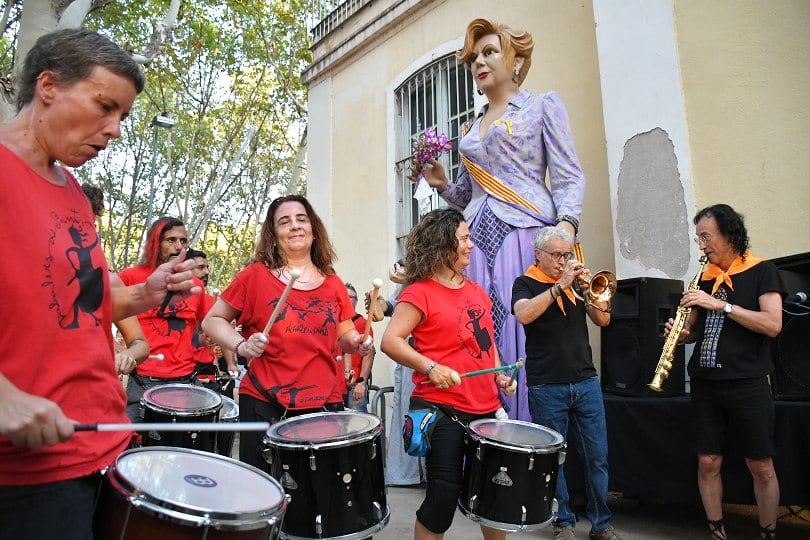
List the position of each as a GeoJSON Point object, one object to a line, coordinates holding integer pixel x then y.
{"type": "Point", "coordinates": [152, 176]}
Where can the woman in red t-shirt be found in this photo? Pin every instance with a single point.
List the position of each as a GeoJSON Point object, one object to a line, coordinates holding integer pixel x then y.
{"type": "Point", "coordinates": [291, 370]}
{"type": "Point", "coordinates": [450, 320]}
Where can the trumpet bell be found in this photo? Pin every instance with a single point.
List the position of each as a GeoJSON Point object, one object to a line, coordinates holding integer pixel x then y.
{"type": "Point", "coordinates": [601, 286]}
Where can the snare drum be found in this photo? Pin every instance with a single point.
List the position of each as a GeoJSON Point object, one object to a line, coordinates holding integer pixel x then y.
{"type": "Point", "coordinates": [181, 403]}
{"type": "Point", "coordinates": [331, 465]}
{"type": "Point", "coordinates": [163, 492]}
{"type": "Point", "coordinates": [228, 413]}
{"type": "Point", "coordinates": [510, 474]}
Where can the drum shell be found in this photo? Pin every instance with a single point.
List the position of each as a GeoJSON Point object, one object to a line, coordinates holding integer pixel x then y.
{"type": "Point", "coordinates": [124, 513]}
{"type": "Point", "coordinates": [228, 413]}
{"type": "Point", "coordinates": [346, 488]}
{"type": "Point", "coordinates": [155, 411]}
{"type": "Point", "coordinates": [510, 487]}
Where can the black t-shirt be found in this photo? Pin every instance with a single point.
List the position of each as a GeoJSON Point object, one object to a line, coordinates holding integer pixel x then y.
{"type": "Point", "coordinates": [557, 346]}
{"type": "Point", "coordinates": [740, 353]}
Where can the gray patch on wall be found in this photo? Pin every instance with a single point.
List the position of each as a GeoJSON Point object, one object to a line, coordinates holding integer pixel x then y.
{"type": "Point", "coordinates": [651, 218]}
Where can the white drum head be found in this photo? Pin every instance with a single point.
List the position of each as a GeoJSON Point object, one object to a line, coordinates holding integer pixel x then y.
{"type": "Point", "coordinates": [182, 399]}
{"type": "Point", "coordinates": [324, 428]}
{"type": "Point", "coordinates": [198, 483]}
{"type": "Point", "coordinates": [229, 411]}
{"type": "Point", "coordinates": [516, 433]}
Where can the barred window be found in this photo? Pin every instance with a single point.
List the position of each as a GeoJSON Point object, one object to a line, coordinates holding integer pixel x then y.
{"type": "Point", "coordinates": [439, 96]}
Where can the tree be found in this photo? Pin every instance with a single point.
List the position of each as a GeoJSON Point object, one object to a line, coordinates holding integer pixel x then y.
{"type": "Point", "coordinates": [229, 73]}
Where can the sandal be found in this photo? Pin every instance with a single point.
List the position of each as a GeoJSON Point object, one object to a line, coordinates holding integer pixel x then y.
{"type": "Point", "coordinates": [767, 533]}
{"type": "Point", "coordinates": [717, 529]}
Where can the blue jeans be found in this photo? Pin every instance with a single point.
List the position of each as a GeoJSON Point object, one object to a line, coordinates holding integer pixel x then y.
{"type": "Point", "coordinates": [553, 406]}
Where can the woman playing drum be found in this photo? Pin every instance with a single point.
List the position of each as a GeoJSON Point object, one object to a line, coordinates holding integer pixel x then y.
{"type": "Point", "coordinates": [290, 362]}
{"type": "Point", "coordinates": [450, 320]}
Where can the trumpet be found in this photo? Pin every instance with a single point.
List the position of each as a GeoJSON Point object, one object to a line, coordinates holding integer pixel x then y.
{"type": "Point", "coordinates": [599, 287]}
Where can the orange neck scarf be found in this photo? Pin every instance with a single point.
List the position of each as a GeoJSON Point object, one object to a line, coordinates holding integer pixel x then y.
{"type": "Point", "coordinates": [738, 265]}
{"type": "Point", "coordinates": [537, 274]}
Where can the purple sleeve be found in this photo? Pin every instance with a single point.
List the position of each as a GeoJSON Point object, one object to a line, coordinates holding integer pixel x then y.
{"type": "Point", "coordinates": [566, 177]}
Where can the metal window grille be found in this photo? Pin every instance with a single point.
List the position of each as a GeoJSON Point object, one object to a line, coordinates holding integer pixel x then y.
{"type": "Point", "coordinates": [439, 96]}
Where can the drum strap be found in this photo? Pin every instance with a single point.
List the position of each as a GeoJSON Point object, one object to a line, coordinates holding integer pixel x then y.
{"type": "Point", "coordinates": [273, 401]}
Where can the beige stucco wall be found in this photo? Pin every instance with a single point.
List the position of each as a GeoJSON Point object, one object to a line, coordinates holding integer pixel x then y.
{"type": "Point", "coordinates": [746, 76]}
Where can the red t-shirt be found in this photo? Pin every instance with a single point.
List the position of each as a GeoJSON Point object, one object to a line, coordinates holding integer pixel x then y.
{"type": "Point", "coordinates": [298, 364]}
{"type": "Point", "coordinates": [202, 352]}
{"type": "Point", "coordinates": [56, 338]}
{"type": "Point", "coordinates": [357, 360]}
{"type": "Point", "coordinates": [168, 333]}
{"type": "Point", "coordinates": [458, 332]}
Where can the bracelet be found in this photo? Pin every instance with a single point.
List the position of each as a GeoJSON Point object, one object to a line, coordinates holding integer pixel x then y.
{"type": "Point", "coordinates": [430, 367]}
{"type": "Point", "coordinates": [236, 349]}
{"type": "Point", "coordinates": [570, 219]}
{"type": "Point", "coordinates": [551, 292]}
{"type": "Point", "coordinates": [559, 289]}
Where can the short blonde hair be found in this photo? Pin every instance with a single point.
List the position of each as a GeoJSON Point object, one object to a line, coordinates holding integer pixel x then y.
{"type": "Point", "coordinates": [514, 44]}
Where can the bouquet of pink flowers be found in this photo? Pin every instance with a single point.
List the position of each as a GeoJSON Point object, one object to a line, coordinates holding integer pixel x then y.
{"type": "Point", "coordinates": [429, 145]}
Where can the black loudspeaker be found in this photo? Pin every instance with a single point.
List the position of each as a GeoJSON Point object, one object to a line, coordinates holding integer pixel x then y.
{"type": "Point", "coordinates": [790, 379]}
{"type": "Point", "coordinates": [633, 341]}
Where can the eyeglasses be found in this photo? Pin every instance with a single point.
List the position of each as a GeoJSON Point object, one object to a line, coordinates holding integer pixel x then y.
{"type": "Point", "coordinates": [557, 256]}
{"type": "Point", "coordinates": [703, 239]}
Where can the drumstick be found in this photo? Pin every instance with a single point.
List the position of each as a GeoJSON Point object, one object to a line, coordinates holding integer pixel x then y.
{"type": "Point", "coordinates": [377, 284]}
{"type": "Point", "coordinates": [481, 372]}
{"type": "Point", "coordinates": [156, 356]}
{"type": "Point", "coordinates": [294, 274]}
{"type": "Point", "coordinates": [176, 426]}
{"type": "Point", "coordinates": [518, 365]}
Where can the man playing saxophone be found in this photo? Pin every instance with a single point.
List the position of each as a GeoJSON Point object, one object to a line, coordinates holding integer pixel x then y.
{"type": "Point", "coordinates": [563, 384]}
{"type": "Point", "coordinates": [736, 311]}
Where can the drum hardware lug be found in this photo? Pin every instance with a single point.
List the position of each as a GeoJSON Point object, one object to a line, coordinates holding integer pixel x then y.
{"type": "Point", "coordinates": [478, 452]}
{"type": "Point", "coordinates": [267, 454]}
{"type": "Point", "coordinates": [561, 457]}
{"type": "Point", "coordinates": [318, 526]}
{"type": "Point", "coordinates": [473, 500]}
{"type": "Point", "coordinates": [313, 463]}
{"type": "Point", "coordinates": [531, 462]}
{"type": "Point", "coordinates": [522, 514]}
{"type": "Point", "coordinates": [372, 451]}
{"type": "Point", "coordinates": [554, 507]}
{"type": "Point", "coordinates": [378, 513]}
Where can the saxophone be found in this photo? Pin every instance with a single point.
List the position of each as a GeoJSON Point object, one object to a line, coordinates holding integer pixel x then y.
{"type": "Point", "coordinates": [665, 362]}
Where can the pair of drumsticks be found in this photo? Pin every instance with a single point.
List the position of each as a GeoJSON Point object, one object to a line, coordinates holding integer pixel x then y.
{"type": "Point", "coordinates": [514, 368]}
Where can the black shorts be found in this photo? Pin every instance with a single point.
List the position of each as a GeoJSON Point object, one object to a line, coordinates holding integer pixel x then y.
{"type": "Point", "coordinates": [739, 412]}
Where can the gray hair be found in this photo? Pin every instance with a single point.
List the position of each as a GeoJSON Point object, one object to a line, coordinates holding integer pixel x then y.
{"type": "Point", "coordinates": [551, 233]}
{"type": "Point", "coordinates": [71, 55]}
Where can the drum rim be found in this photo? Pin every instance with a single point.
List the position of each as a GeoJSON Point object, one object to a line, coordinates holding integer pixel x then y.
{"type": "Point", "coordinates": [181, 412]}
{"type": "Point", "coordinates": [504, 526]}
{"type": "Point", "coordinates": [184, 513]}
{"type": "Point", "coordinates": [233, 418]}
{"type": "Point", "coordinates": [558, 443]}
{"type": "Point", "coordinates": [346, 440]}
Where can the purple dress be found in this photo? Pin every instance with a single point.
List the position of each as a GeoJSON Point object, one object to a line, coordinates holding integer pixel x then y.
{"type": "Point", "coordinates": [532, 137]}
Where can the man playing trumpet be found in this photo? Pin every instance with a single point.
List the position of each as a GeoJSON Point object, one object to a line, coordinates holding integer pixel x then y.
{"type": "Point", "coordinates": [562, 380]}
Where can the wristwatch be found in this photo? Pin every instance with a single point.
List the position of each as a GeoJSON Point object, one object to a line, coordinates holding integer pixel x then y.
{"type": "Point", "coordinates": [727, 308]}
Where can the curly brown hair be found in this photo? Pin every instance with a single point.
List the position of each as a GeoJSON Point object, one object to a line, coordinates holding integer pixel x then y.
{"type": "Point", "coordinates": [514, 43]}
{"type": "Point", "coordinates": [322, 253]}
{"type": "Point", "coordinates": [432, 244]}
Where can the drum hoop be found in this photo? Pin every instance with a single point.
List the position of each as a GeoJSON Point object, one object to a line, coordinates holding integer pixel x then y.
{"type": "Point", "coordinates": [191, 514]}
{"type": "Point", "coordinates": [181, 412]}
{"type": "Point", "coordinates": [348, 440]}
{"type": "Point", "coordinates": [523, 448]}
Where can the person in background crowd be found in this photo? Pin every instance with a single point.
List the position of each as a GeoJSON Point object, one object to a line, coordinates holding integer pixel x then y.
{"type": "Point", "coordinates": [516, 139]}
{"type": "Point", "coordinates": [135, 347]}
{"type": "Point", "coordinates": [450, 320]}
{"type": "Point", "coordinates": [400, 468]}
{"type": "Point", "coordinates": [291, 367]}
{"type": "Point", "coordinates": [359, 376]}
{"type": "Point", "coordinates": [75, 87]}
{"type": "Point", "coordinates": [735, 313]}
{"type": "Point", "coordinates": [564, 389]}
{"type": "Point", "coordinates": [168, 328]}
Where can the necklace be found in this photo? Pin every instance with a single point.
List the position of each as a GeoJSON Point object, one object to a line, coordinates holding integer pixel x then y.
{"type": "Point", "coordinates": [452, 281]}
{"type": "Point", "coordinates": [287, 269]}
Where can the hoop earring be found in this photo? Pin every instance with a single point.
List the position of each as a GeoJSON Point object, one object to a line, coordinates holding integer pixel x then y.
{"type": "Point", "coordinates": [516, 76]}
